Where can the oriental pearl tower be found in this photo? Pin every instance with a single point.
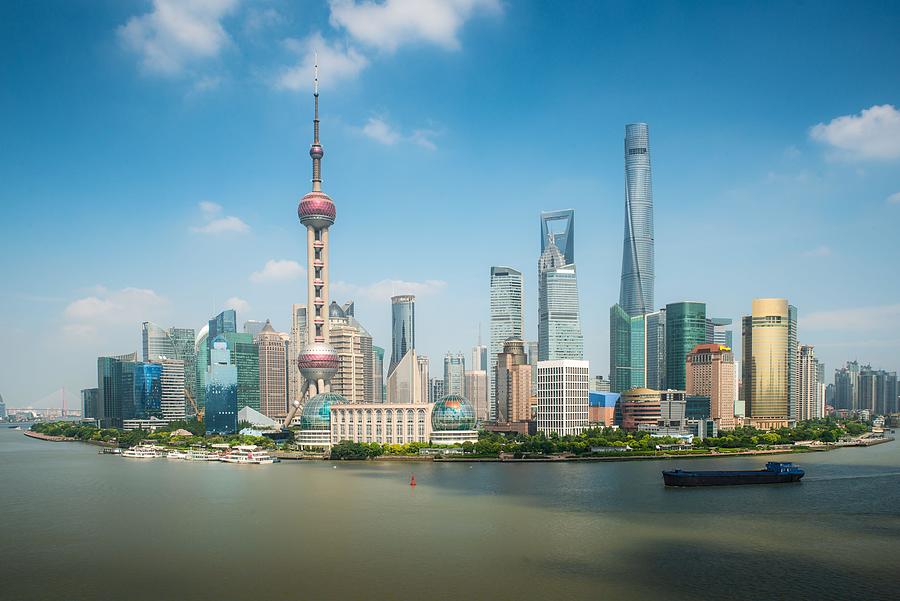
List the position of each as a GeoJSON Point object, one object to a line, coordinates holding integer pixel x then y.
{"type": "Point", "coordinates": [318, 361]}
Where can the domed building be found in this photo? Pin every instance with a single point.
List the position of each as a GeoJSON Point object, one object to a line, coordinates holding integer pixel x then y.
{"type": "Point", "coordinates": [453, 421]}
{"type": "Point", "coordinates": [315, 419]}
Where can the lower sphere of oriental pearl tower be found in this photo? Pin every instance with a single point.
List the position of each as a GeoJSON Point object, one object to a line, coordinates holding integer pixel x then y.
{"type": "Point", "coordinates": [318, 361]}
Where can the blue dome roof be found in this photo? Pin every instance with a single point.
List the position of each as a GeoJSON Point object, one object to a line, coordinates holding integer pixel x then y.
{"type": "Point", "coordinates": [317, 411]}
{"type": "Point", "coordinates": [453, 412]}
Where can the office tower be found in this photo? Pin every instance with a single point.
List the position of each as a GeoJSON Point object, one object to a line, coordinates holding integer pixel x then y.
{"type": "Point", "coordinates": [558, 229]}
{"type": "Point", "coordinates": [636, 293]}
{"type": "Point", "coordinates": [820, 371]}
{"type": "Point", "coordinates": [476, 392]}
{"type": "Point", "coordinates": [711, 374]}
{"type": "Point", "coordinates": [480, 358]}
{"type": "Point", "coordinates": [403, 328]}
{"type": "Point", "coordinates": [115, 383]}
{"type": "Point", "coordinates": [378, 373]}
{"type": "Point", "coordinates": [221, 390]}
{"type": "Point", "coordinates": [3, 405]}
{"type": "Point", "coordinates": [718, 332]}
{"type": "Point", "coordinates": [353, 344]}
{"type": "Point", "coordinates": [147, 391]}
{"type": "Point", "coordinates": [298, 341]}
{"type": "Point", "coordinates": [627, 350]}
{"type": "Point", "coordinates": [454, 374]}
{"type": "Point", "coordinates": [254, 327]}
{"type": "Point", "coordinates": [317, 361]}
{"type": "Point", "coordinates": [685, 329]}
{"type": "Point", "coordinates": [808, 394]}
{"type": "Point", "coordinates": [245, 356]}
{"type": "Point", "coordinates": [562, 399]}
{"type": "Point", "coordinates": [600, 384]}
{"type": "Point", "coordinates": [531, 348]}
{"type": "Point", "coordinates": [90, 401]}
{"type": "Point", "coordinates": [846, 382]}
{"type": "Point", "coordinates": [559, 325]}
{"type": "Point", "coordinates": [655, 354]}
{"type": "Point", "coordinates": [172, 400]}
{"type": "Point", "coordinates": [224, 322]}
{"type": "Point", "coordinates": [769, 361]}
{"type": "Point", "coordinates": [424, 377]}
{"type": "Point", "coordinates": [513, 379]}
{"type": "Point", "coordinates": [437, 390]}
{"type": "Point", "coordinates": [403, 384]}
{"type": "Point", "coordinates": [876, 390]}
{"type": "Point", "coordinates": [172, 343]}
{"type": "Point", "coordinates": [272, 372]}
{"type": "Point", "coordinates": [201, 355]}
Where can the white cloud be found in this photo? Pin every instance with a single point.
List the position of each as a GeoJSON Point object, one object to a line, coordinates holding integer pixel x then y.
{"type": "Point", "coordinates": [378, 129]}
{"type": "Point", "coordinates": [238, 304]}
{"type": "Point", "coordinates": [176, 32]}
{"type": "Point", "coordinates": [894, 199]}
{"type": "Point", "coordinates": [385, 289]}
{"type": "Point", "coordinates": [861, 319]}
{"type": "Point", "coordinates": [258, 20]}
{"type": "Point", "coordinates": [337, 62]}
{"type": "Point", "coordinates": [872, 134]}
{"type": "Point", "coordinates": [103, 309]}
{"type": "Point", "coordinates": [210, 208]}
{"type": "Point", "coordinates": [283, 270]}
{"type": "Point", "coordinates": [392, 23]}
{"type": "Point", "coordinates": [218, 225]}
{"type": "Point", "coordinates": [819, 251]}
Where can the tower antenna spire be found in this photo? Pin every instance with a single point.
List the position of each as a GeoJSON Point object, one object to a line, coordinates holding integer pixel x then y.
{"type": "Point", "coordinates": [316, 151]}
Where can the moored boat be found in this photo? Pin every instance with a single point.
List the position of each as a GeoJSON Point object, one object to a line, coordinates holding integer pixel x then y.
{"type": "Point", "coordinates": [248, 454]}
{"type": "Point", "coordinates": [141, 452]}
{"type": "Point", "coordinates": [776, 472]}
{"type": "Point", "coordinates": [202, 455]}
{"type": "Point", "coordinates": [176, 454]}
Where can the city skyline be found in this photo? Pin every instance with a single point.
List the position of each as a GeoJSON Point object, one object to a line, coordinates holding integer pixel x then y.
{"type": "Point", "coordinates": [818, 161]}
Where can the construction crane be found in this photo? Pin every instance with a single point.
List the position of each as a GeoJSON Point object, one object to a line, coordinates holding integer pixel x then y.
{"type": "Point", "coordinates": [197, 411]}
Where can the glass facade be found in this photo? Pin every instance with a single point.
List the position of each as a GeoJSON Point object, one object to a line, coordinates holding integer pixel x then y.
{"type": "Point", "coordinates": [403, 328]}
{"type": "Point", "coordinates": [245, 355]}
{"type": "Point", "coordinates": [147, 390]}
{"type": "Point", "coordinates": [636, 293]}
{"type": "Point", "coordinates": [507, 320]}
{"type": "Point", "coordinates": [378, 373]}
{"type": "Point", "coordinates": [90, 401]}
{"type": "Point", "coordinates": [559, 323]}
{"type": "Point", "coordinates": [685, 329]}
{"type": "Point", "coordinates": [770, 359]}
{"type": "Point", "coordinates": [559, 226]}
{"type": "Point", "coordinates": [115, 382]}
{"type": "Point", "coordinates": [454, 374]}
{"type": "Point", "coordinates": [221, 390]}
{"type": "Point", "coordinates": [656, 350]}
{"type": "Point", "coordinates": [201, 357]}
{"type": "Point", "coordinates": [316, 413]}
{"type": "Point", "coordinates": [452, 412]}
{"type": "Point", "coordinates": [627, 350]}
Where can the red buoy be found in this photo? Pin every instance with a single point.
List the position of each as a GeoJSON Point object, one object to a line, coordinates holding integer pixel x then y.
{"type": "Point", "coordinates": [412, 481]}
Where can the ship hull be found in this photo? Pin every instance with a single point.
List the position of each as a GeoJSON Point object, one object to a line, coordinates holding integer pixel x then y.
{"type": "Point", "coordinates": [672, 478]}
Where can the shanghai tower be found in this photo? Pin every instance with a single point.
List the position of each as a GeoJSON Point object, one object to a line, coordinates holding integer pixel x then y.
{"type": "Point", "coordinates": [636, 293]}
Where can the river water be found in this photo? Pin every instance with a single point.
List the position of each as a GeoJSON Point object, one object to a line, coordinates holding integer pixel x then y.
{"type": "Point", "coordinates": [78, 525]}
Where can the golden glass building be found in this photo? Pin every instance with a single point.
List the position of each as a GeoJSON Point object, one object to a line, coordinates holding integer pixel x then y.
{"type": "Point", "coordinates": [770, 359]}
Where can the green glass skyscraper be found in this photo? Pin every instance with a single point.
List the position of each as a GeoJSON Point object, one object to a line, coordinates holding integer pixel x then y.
{"type": "Point", "coordinates": [245, 355]}
{"type": "Point", "coordinates": [685, 329]}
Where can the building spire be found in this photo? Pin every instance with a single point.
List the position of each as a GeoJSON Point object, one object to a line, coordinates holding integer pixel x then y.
{"type": "Point", "coordinates": [316, 151]}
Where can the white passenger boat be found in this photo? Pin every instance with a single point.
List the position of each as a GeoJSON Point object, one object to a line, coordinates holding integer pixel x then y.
{"type": "Point", "coordinates": [249, 454]}
{"type": "Point", "coordinates": [176, 455]}
{"type": "Point", "coordinates": [202, 455]}
{"type": "Point", "coordinates": [140, 452]}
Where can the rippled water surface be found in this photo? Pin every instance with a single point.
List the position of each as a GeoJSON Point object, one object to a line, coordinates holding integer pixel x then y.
{"type": "Point", "coordinates": [78, 525]}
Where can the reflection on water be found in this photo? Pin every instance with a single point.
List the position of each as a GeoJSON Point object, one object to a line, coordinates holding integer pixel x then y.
{"type": "Point", "coordinates": [78, 525]}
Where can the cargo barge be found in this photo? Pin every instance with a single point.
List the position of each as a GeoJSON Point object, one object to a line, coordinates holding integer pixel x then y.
{"type": "Point", "coordinates": [776, 472]}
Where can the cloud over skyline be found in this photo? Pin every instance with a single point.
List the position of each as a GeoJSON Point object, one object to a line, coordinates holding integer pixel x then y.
{"type": "Point", "coordinates": [874, 133]}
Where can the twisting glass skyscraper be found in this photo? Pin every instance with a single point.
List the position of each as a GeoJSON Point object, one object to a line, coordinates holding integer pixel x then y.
{"type": "Point", "coordinates": [636, 293]}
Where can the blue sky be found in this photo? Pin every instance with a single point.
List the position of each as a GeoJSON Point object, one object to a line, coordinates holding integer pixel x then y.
{"type": "Point", "coordinates": [153, 154]}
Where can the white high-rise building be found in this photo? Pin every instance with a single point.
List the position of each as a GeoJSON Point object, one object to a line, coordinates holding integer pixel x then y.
{"type": "Point", "coordinates": [562, 396]}
{"type": "Point", "coordinates": [424, 378]}
{"type": "Point", "coordinates": [172, 398]}
{"type": "Point", "coordinates": [476, 392]}
{"type": "Point", "coordinates": [272, 372]}
{"type": "Point", "coordinates": [298, 341]}
{"type": "Point", "coordinates": [811, 401]}
{"type": "Point", "coordinates": [507, 321]}
{"type": "Point", "coordinates": [455, 374]}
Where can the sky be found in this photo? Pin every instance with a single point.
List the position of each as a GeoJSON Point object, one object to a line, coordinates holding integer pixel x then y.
{"type": "Point", "coordinates": [152, 154]}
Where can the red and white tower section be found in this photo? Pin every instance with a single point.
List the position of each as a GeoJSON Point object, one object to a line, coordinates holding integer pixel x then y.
{"type": "Point", "coordinates": [318, 361]}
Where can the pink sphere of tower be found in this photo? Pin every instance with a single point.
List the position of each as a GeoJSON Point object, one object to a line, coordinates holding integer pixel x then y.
{"type": "Point", "coordinates": [316, 209]}
{"type": "Point", "coordinates": [318, 361]}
